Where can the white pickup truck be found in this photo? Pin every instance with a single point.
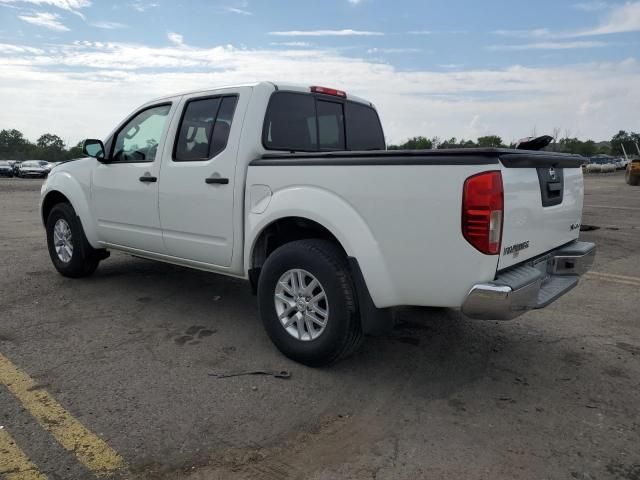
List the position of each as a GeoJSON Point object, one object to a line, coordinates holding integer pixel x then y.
{"type": "Point", "coordinates": [291, 188]}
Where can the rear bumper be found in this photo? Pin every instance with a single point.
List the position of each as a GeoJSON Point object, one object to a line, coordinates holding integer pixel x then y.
{"type": "Point", "coordinates": [531, 285]}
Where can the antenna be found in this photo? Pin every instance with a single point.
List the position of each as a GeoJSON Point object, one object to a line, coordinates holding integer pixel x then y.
{"type": "Point", "coordinates": [624, 151]}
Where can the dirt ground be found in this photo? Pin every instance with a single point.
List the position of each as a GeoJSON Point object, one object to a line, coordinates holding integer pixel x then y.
{"type": "Point", "coordinates": [554, 394]}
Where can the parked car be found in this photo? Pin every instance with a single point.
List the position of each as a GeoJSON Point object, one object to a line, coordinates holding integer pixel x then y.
{"type": "Point", "coordinates": [14, 165]}
{"type": "Point", "coordinates": [6, 170]}
{"type": "Point", "coordinates": [290, 188]}
{"type": "Point", "coordinates": [33, 169]}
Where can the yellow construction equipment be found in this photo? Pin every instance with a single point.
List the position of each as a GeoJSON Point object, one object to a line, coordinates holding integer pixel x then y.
{"type": "Point", "coordinates": [632, 175]}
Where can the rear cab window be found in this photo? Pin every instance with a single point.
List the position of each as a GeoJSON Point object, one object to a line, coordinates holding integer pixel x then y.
{"type": "Point", "coordinates": [307, 122]}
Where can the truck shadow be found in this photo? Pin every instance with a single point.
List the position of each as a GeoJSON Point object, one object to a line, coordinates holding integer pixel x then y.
{"type": "Point", "coordinates": [439, 345]}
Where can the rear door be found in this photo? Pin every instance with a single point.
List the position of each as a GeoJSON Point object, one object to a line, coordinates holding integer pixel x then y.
{"type": "Point", "coordinates": [542, 208]}
{"type": "Point", "coordinates": [198, 177]}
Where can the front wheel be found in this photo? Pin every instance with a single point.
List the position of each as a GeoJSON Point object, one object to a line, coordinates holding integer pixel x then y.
{"type": "Point", "coordinates": [69, 250]}
{"type": "Point", "coordinates": [631, 179]}
{"type": "Point", "coordinates": [307, 302]}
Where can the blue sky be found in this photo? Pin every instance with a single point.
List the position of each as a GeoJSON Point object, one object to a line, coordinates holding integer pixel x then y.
{"type": "Point", "coordinates": [462, 68]}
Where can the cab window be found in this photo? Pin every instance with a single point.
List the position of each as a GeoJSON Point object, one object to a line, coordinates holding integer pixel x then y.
{"type": "Point", "coordinates": [301, 122]}
{"type": "Point", "coordinates": [204, 128]}
{"type": "Point", "coordinates": [138, 140]}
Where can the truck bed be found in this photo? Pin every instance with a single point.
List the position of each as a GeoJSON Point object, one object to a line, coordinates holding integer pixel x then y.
{"type": "Point", "coordinates": [409, 203]}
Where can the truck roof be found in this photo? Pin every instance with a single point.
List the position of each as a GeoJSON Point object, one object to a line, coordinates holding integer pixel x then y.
{"type": "Point", "coordinates": [291, 87]}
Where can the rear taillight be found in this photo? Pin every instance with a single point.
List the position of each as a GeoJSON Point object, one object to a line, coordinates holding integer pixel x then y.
{"type": "Point", "coordinates": [482, 211]}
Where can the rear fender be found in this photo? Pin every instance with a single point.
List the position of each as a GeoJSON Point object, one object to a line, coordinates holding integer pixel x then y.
{"type": "Point", "coordinates": [337, 216]}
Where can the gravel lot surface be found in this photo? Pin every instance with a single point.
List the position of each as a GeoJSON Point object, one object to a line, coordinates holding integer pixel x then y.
{"type": "Point", "coordinates": [553, 394]}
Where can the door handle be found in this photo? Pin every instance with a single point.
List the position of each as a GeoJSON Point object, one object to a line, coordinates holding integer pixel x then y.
{"type": "Point", "coordinates": [218, 180]}
{"type": "Point", "coordinates": [148, 178]}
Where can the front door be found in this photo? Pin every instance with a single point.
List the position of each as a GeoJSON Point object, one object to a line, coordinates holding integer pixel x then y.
{"type": "Point", "coordinates": [124, 191]}
{"type": "Point", "coordinates": [198, 178]}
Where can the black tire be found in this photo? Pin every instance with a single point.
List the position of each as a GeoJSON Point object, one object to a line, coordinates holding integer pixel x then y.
{"type": "Point", "coordinates": [325, 261]}
{"type": "Point", "coordinates": [631, 179]}
{"type": "Point", "coordinates": [84, 259]}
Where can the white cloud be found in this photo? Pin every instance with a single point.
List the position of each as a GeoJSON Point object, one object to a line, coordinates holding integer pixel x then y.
{"type": "Point", "coordinates": [534, 33]}
{"type": "Point", "coordinates": [596, 99]}
{"type": "Point", "coordinates": [109, 25]}
{"type": "Point", "coordinates": [620, 19]}
{"type": "Point", "coordinates": [175, 38]}
{"type": "Point", "coordinates": [347, 32]}
{"type": "Point", "coordinates": [63, 4]}
{"type": "Point", "coordinates": [549, 46]}
{"type": "Point", "coordinates": [72, 6]}
{"type": "Point", "coordinates": [624, 18]}
{"type": "Point", "coordinates": [591, 6]}
{"type": "Point", "coordinates": [394, 50]}
{"type": "Point", "coordinates": [239, 11]}
{"type": "Point", "coordinates": [355, 2]}
{"type": "Point", "coordinates": [13, 49]}
{"type": "Point", "coordinates": [420, 32]}
{"type": "Point", "coordinates": [143, 6]}
{"type": "Point", "coordinates": [291, 44]}
{"type": "Point", "coordinates": [45, 19]}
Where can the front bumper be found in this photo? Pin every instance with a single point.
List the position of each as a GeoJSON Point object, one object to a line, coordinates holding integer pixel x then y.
{"type": "Point", "coordinates": [534, 284]}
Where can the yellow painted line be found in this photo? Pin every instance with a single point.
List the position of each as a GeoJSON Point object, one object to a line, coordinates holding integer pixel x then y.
{"type": "Point", "coordinates": [89, 449]}
{"type": "Point", "coordinates": [613, 275]}
{"type": "Point", "coordinates": [613, 207]}
{"type": "Point", "coordinates": [14, 464]}
{"type": "Point", "coordinates": [612, 279]}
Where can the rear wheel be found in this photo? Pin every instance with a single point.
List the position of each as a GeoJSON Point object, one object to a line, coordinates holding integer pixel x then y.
{"type": "Point", "coordinates": [69, 250]}
{"type": "Point", "coordinates": [307, 302]}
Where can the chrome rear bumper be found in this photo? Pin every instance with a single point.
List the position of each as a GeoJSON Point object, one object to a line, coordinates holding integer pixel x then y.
{"type": "Point", "coordinates": [530, 285]}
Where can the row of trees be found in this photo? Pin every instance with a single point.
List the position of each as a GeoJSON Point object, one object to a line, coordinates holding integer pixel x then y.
{"type": "Point", "coordinates": [566, 144]}
{"type": "Point", "coordinates": [14, 146]}
{"type": "Point", "coordinates": [424, 143]}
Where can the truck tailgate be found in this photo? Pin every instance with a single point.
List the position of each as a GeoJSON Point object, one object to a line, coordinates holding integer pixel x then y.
{"type": "Point", "coordinates": [542, 206]}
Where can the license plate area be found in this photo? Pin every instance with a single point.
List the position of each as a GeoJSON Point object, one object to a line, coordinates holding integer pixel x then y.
{"type": "Point", "coordinates": [542, 264]}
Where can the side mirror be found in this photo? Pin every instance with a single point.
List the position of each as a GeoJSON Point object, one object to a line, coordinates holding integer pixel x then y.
{"type": "Point", "coordinates": [93, 148]}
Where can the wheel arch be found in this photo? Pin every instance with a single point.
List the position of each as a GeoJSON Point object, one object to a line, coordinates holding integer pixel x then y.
{"type": "Point", "coordinates": [64, 188]}
{"type": "Point", "coordinates": [281, 231]}
{"type": "Point", "coordinates": [50, 200]}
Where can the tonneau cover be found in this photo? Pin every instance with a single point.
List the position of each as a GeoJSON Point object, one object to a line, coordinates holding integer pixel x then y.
{"type": "Point", "coordinates": [510, 158]}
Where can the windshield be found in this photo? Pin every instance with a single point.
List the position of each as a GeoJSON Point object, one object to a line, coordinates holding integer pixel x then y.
{"type": "Point", "coordinates": [32, 163]}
